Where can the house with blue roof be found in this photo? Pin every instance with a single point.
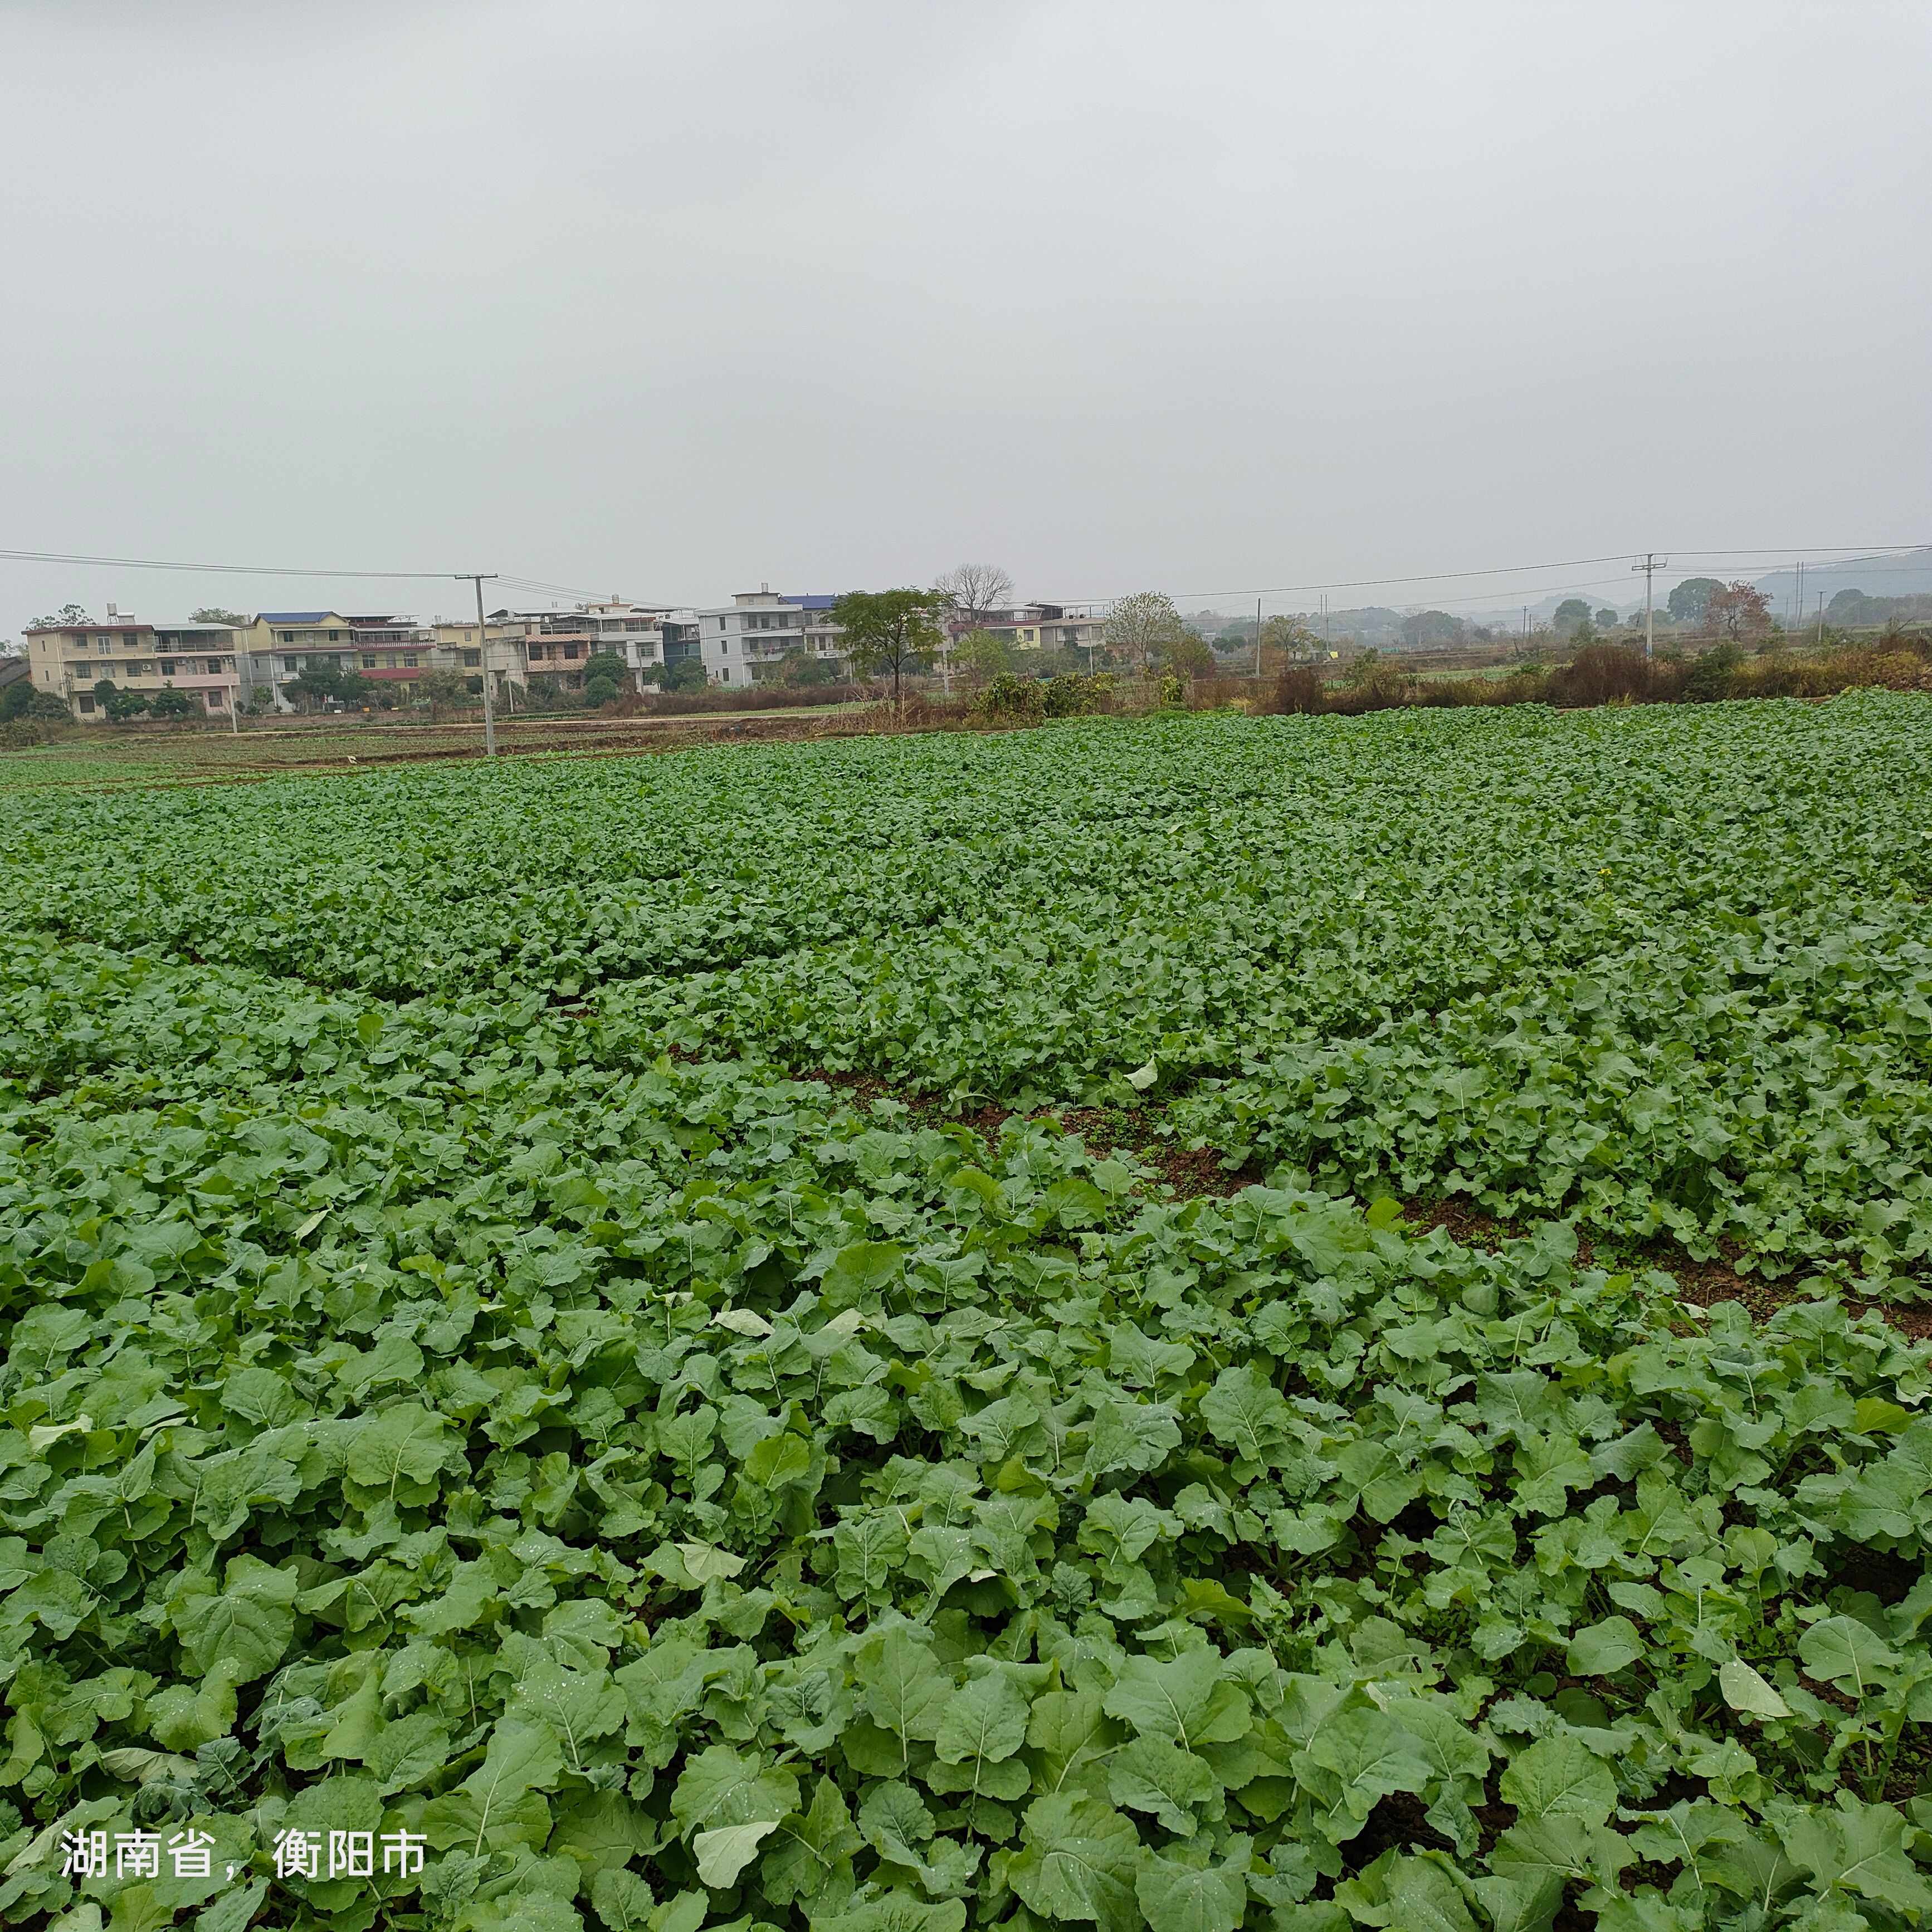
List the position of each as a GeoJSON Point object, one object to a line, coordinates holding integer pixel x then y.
{"type": "Point", "coordinates": [279, 645]}
{"type": "Point", "coordinates": [745, 641]}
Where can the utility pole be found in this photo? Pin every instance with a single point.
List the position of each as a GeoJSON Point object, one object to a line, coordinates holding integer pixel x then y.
{"type": "Point", "coordinates": [477, 577]}
{"type": "Point", "coordinates": [1651, 564]}
{"type": "Point", "coordinates": [1257, 640]}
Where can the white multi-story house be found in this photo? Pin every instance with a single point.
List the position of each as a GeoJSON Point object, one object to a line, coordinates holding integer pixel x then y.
{"type": "Point", "coordinates": [555, 646]}
{"type": "Point", "coordinates": [745, 640]}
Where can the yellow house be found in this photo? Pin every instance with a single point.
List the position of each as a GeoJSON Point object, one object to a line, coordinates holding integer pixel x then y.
{"type": "Point", "coordinates": [70, 661]}
{"type": "Point", "coordinates": [281, 644]}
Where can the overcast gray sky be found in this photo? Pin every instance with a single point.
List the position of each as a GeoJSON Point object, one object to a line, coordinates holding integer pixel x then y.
{"type": "Point", "coordinates": [1205, 296]}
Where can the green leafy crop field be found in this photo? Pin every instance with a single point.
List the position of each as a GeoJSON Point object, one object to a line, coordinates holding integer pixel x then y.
{"type": "Point", "coordinates": [494, 1437]}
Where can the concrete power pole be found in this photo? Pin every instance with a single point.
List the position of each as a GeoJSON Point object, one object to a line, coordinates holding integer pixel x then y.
{"type": "Point", "coordinates": [477, 577]}
{"type": "Point", "coordinates": [1651, 564]}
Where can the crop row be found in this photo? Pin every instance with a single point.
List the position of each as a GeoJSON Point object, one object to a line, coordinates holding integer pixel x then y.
{"type": "Point", "coordinates": [1670, 971]}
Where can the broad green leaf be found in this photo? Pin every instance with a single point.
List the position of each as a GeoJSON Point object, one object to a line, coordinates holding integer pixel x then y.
{"type": "Point", "coordinates": [724, 1851]}
{"type": "Point", "coordinates": [621, 1900]}
{"type": "Point", "coordinates": [984, 1719]}
{"type": "Point", "coordinates": [1842, 1650]}
{"type": "Point", "coordinates": [1183, 1701]}
{"type": "Point", "coordinates": [404, 1445]}
{"type": "Point", "coordinates": [1603, 1648]}
{"type": "Point", "coordinates": [246, 1627]}
{"type": "Point", "coordinates": [1180, 1898]}
{"type": "Point", "coordinates": [721, 1786]}
{"type": "Point", "coordinates": [812, 1850]}
{"type": "Point", "coordinates": [498, 1803]}
{"type": "Point", "coordinates": [1558, 1777]}
{"type": "Point", "coordinates": [864, 1270]}
{"type": "Point", "coordinates": [1130, 1435]}
{"type": "Point", "coordinates": [1857, 1848]}
{"type": "Point", "coordinates": [1748, 1693]}
{"type": "Point", "coordinates": [1078, 1860]}
{"type": "Point", "coordinates": [1150, 1774]}
{"type": "Point", "coordinates": [1245, 1411]}
{"type": "Point", "coordinates": [905, 1691]}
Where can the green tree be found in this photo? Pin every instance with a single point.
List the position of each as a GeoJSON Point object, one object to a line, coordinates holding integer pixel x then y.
{"type": "Point", "coordinates": [321, 684]}
{"type": "Point", "coordinates": [1287, 640]}
{"type": "Point", "coordinates": [799, 668]}
{"type": "Point", "coordinates": [213, 613]}
{"type": "Point", "coordinates": [1190, 656]}
{"type": "Point", "coordinates": [119, 705]}
{"type": "Point", "coordinates": [65, 619]}
{"type": "Point", "coordinates": [1687, 600]}
{"type": "Point", "coordinates": [1573, 614]}
{"type": "Point", "coordinates": [894, 630]}
{"type": "Point", "coordinates": [173, 704]}
{"type": "Point", "coordinates": [1606, 619]}
{"type": "Point", "coordinates": [682, 674]}
{"type": "Point", "coordinates": [1141, 628]}
{"type": "Point", "coordinates": [15, 699]}
{"type": "Point", "coordinates": [1431, 627]}
{"type": "Point", "coordinates": [980, 656]}
{"type": "Point", "coordinates": [443, 687]}
{"type": "Point", "coordinates": [605, 676]}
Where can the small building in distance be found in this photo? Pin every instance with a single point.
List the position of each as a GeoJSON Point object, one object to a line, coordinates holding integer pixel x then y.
{"type": "Point", "coordinates": [280, 645]}
{"type": "Point", "coordinates": [745, 641]}
{"type": "Point", "coordinates": [555, 646]}
{"type": "Point", "coordinates": [390, 649]}
{"type": "Point", "coordinates": [1037, 627]}
{"type": "Point", "coordinates": [68, 661]}
{"type": "Point", "coordinates": [457, 647]}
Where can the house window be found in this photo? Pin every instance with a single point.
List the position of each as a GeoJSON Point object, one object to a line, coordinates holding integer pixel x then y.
{"type": "Point", "coordinates": [409, 660]}
{"type": "Point", "coordinates": [167, 666]}
{"type": "Point", "coordinates": [214, 700]}
{"type": "Point", "coordinates": [573, 650]}
{"type": "Point", "coordinates": [637, 624]}
{"type": "Point", "coordinates": [473, 660]}
{"type": "Point", "coordinates": [290, 664]}
{"type": "Point", "coordinates": [214, 667]}
{"type": "Point", "coordinates": [335, 636]}
{"type": "Point", "coordinates": [368, 660]}
{"type": "Point", "coordinates": [721, 623]}
{"type": "Point", "coordinates": [87, 704]}
{"type": "Point", "coordinates": [725, 676]}
{"type": "Point", "coordinates": [103, 643]}
{"type": "Point", "coordinates": [288, 636]}
{"type": "Point", "coordinates": [536, 653]}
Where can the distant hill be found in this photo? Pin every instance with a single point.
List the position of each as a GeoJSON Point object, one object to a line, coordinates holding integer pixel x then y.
{"type": "Point", "coordinates": [1902, 574]}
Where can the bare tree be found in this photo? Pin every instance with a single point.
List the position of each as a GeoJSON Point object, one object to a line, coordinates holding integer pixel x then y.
{"type": "Point", "coordinates": [972, 593]}
{"type": "Point", "coordinates": [975, 591]}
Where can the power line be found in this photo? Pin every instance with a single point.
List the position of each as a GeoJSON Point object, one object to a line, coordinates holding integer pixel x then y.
{"type": "Point", "coordinates": [211, 569]}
